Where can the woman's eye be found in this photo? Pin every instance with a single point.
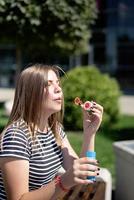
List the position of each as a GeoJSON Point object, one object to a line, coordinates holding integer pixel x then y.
{"type": "Point", "coordinates": [52, 83]}
{"type": "Point", "coordinates": [49, 83]}
{"type": "Point", "coordinates": [58, 83]}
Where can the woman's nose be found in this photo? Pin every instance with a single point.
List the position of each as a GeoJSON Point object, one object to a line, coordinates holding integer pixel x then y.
{"type": "Point", "coordinates": [58, 88]}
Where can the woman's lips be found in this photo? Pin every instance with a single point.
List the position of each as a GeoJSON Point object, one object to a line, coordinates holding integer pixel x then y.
{"type": "Point", "coordinates": [59, 100]}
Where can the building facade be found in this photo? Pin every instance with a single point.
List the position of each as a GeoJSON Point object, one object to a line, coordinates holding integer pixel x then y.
{"type": "Point", "coordinates": [113, 35]}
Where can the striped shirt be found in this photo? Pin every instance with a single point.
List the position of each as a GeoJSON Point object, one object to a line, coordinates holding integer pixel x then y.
{"type": "Point", "coordinates": [44, 155]}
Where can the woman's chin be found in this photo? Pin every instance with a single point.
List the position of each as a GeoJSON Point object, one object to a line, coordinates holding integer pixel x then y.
{"type": "Point", "coordinates": [56, 110]}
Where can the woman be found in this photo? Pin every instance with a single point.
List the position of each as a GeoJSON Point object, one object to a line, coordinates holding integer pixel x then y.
{"type": "Point", "coordinates": [34, 146]}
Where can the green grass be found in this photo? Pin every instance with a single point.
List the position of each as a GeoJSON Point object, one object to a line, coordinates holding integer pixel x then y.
{"type": "Point", "coordinates": [3, 118]}
{"type": "Point", "coordinates": [105, 153]}
{"type": "Point", "coordinates": [125, 122]}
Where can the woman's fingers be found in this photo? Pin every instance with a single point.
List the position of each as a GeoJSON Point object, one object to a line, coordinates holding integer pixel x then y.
{"type": "Point", "coordinates": [98, 106]}
{"type": "Point", "coordinates": [97, 113]}
{"type": "Point", "coordinates": [85, 174]}
{"type": "Point", "coordinates": [82, 181]}
{"type": "Point", "coordinates": [85, 167]}
{"type": "Point", "coordinates": [94, 109]}
{"type": "Point", "coordinates": [86, 160]}
{"type": "Point", "coordinates": [89, 167]}
{"type": "Point", "coordinates": [82, 177]}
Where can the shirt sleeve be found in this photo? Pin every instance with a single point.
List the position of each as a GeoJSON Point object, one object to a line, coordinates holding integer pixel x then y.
{"type": "Point", "coordinates": [14, 143]}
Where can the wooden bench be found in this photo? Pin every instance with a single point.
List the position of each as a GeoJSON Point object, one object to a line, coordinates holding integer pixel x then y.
{"type": "Point", "coordinates": [94, 191]}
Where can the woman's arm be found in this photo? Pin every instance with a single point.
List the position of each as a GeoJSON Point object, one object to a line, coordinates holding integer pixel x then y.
{"type": "Point", "coordinates": [69, 155]}
{"type": "Point", "coordinates": [91, 123]}
{"type": "Point", "coordinates": [15, 173]}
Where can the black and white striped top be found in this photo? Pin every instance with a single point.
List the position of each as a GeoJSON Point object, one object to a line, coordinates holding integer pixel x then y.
{"type": "Point", "coordinates": [44, 155]}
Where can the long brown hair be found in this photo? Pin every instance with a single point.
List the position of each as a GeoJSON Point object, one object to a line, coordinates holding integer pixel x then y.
{"type": "Point", "coordinates": [28, 98]}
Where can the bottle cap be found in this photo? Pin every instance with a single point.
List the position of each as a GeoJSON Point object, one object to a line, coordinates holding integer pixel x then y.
{"type": "Point", "coordinates": [91, 154]}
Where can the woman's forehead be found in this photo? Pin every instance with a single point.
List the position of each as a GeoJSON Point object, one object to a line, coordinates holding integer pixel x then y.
{"type": "Point", "coordinates": [52, 75]}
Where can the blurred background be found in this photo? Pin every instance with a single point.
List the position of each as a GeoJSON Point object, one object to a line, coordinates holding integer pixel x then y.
{"type": "Point", "coordinates": [93, 41]}
{"type": "Point", "coordinates": [32, 31]}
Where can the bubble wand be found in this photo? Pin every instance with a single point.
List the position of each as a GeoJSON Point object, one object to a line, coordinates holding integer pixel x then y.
{"type": "Point", "coordinates": [87, 105]}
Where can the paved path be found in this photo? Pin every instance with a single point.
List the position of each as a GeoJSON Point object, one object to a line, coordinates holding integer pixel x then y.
{"type": "Point", "coordinates": [126, 102]}
{"type": "Point", "coordinates": [6, 94]}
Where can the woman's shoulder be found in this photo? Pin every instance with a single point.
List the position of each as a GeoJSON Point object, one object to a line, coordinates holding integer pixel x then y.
{"type": "Point", "coordinates": [15, 142]}
{"type": "Point", "coordinates": [18, 128]}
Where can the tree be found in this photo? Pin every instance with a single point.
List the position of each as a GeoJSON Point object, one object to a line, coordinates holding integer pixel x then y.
{"type": "Point", "coordinates": [48, 24]}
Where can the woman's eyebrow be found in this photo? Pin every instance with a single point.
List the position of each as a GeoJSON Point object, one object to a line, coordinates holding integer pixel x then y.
{"type": "Point", "coordinates": [50, 81]}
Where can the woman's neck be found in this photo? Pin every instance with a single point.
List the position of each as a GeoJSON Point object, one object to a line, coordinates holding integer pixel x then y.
{"type": "Point", "coordinates": [43, 126]}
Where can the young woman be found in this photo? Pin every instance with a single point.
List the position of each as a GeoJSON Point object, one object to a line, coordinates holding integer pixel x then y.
{"type": "Point", "coordinates": [34, 146]}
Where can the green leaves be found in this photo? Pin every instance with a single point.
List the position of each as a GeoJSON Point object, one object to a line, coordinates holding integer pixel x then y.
{"type": "Point", "coordinates": [63, 23]}
{"type": "Point", "coordinates": [20, 12]}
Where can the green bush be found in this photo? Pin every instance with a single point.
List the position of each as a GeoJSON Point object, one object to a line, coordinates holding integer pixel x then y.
{"type": "Point", "coordinates": [88, 83]}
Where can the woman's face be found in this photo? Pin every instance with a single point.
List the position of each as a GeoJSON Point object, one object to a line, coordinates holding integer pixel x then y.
{"type": "Point", "coordinates": [53, 94]}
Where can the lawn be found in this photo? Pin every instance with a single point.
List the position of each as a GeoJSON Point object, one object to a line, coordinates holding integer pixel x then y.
{"type": "Point", "coordinates": [3, 118]}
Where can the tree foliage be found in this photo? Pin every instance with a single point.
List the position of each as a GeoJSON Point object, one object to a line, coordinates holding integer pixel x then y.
{"type": "Point", "coordinates": [63, 24]}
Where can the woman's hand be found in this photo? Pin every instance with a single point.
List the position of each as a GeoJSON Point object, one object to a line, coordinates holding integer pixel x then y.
{"type": "Point", "coordinates": [83, 168]}
{"type": "Point", "coordinates": [92, 119]}
{"type": "Point", "coordinates": [78, 173]}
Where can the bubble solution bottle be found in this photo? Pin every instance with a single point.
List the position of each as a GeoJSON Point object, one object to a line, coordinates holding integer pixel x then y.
{"type": "Point", "coordinates": [91, 155]}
